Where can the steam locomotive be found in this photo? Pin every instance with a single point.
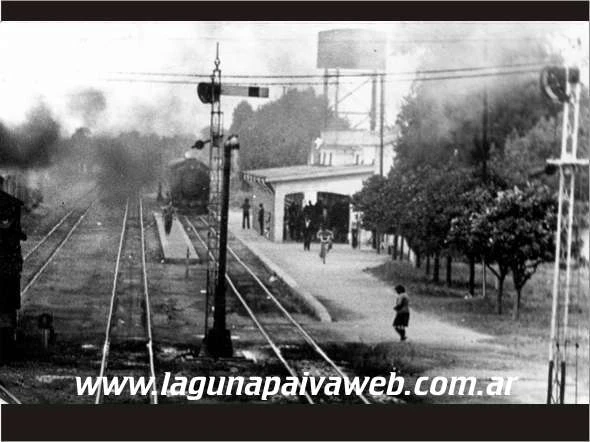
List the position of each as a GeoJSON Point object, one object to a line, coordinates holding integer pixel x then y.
{"type": "Point", "coordinates": [188, 179]}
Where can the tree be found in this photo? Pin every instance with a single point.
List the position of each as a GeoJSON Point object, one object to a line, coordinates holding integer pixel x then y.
{"type": "Point", "coordinates": [279, 133]}
{"type": "Point", "coordinates": [513, 230]}
{"type": "Point", "coordinates": [372, 201]}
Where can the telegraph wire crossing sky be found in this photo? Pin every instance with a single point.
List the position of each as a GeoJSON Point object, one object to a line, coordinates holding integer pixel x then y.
{"type": "Point", "coordinates": [49, 62]}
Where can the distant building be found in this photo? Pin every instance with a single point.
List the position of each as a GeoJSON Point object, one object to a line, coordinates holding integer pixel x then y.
{"type": "Point", "coordinates": [352, 147]}
{"type": "Point", "coordinates": [339, 162]}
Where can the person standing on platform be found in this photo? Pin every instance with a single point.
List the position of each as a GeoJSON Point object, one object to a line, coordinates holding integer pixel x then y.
{"type": "Point", "coordinates": [168, 217]}
{"type": "Point", "coordinates": [246, 214]}
{"type": "Point", "coordinates": [307, 233]}
{"type": "Point", "coordinates": [261, 219]}
{"type": "Point", "coordinates": [402, 312]}
{"type": "Point", "coordinates": [308, 210]}
{"type": "Point", "coordinates": [354, 234]}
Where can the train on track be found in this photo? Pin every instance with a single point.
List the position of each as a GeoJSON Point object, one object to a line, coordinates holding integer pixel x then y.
{"type": "Point", "coordinates": [188, 179]}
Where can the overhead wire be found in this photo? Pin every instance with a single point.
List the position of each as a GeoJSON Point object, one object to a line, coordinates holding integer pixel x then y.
{"type": "Point", "coordinates": [340, 75]}
{"type": "Point", "coordinates": [318, 83]}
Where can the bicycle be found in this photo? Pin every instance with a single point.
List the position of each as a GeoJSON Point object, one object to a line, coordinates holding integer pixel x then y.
{"type": "Point", "coordinates": [325, 237]}
{"type": "Point", "coordinates": [323, 251]}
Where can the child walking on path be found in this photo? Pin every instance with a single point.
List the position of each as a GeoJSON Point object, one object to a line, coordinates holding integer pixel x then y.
{"type": "Point", "coordinates": [402, 312]}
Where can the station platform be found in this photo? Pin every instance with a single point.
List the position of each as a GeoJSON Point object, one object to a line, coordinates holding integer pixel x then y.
{"type": "Point", "coordinates": [175, 244]}
{"type": "Point", "coordinates": [344, 295]}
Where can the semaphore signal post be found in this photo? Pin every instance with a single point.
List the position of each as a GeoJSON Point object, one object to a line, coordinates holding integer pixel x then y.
{"type": "Point", "coordinates": [217, 341]}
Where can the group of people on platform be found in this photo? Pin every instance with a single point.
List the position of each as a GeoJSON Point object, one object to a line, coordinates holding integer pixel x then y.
{"type": "Point", "coordinates": [301, 224]}
{"type": "Point", "coordinates": [262, 217]}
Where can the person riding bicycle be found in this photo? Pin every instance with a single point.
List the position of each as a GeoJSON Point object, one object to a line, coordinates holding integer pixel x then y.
{"type": "Point", "coordinates": [326, 237]}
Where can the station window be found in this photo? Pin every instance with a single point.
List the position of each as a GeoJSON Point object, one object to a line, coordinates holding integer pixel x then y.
{"type": "Point", "coordinates": [330, 158]}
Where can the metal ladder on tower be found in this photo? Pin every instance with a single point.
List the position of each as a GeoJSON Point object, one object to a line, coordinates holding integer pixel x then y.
{"type": "Point", "coordinates": [214, 205]}
{"type": "Point", "coordinates": [568, 165]}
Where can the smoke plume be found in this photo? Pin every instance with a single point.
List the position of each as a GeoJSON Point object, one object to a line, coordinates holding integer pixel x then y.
{"type": "Point", "coordinates": [124, 167]}
{"type": "Point", "coordinates": [88, 104]}
{"type": "Point", "coordinates": [34, 144]}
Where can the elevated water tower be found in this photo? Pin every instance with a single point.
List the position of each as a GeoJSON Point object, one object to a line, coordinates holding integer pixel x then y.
{"type": "Point", "coordinates": [352, 50]}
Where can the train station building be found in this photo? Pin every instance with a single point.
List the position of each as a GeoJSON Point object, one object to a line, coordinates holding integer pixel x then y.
{"type": "Point", "coordinates": [338, 163]}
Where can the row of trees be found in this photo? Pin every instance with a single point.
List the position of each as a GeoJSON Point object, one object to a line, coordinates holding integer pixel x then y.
{"type": "Point", "coordinates": [445, 212]}
{"type": "Point", "coordinates": [456, 193]}
{"type": "Point", "coordinates": [280, 133]}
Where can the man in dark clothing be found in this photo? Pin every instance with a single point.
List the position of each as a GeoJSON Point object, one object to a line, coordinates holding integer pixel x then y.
{"type": "Point", "coordinates": [11, 264]}
{"type": "Point", "coordinates": [292, 222]}
{"type": "Point", "coordinates": [261, 218]}
{"type": "Point", "coordinates": [308, 231]}
{"type": "Point", "coordinates": [308, 211]}
{"type": "Point", "coordinates": [246, 214]}
{"type": "Point", "coordinates": [168, 218]}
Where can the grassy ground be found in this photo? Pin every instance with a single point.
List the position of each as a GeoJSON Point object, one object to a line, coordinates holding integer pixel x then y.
{"type": "Point", "coordinates": [526, 339]}
{"type": "Point", "coordinates": [479, 313]}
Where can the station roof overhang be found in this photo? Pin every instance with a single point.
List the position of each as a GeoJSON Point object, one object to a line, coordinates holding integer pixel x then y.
{"type": "Point", "coordinates": [270, 177]}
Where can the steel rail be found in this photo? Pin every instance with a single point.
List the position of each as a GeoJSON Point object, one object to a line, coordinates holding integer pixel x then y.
{"type": "Point", "coordinates": [308, 338]}
{"type": "Point", "coordinates": [12, 397]}
{"type": "Point", "coordinates": [303, 332]}
{"type": "Point", "coordinates": [42, 240]}
{"type": "Point", "coordinates": [261, 328]}
{"type": "Point", "coordinates": [107, 343]}
{"type": "Point", "coordinates": [52, 255]}
{"type": "Point", "coordinates": [55, 227]}
{"type": "Point", "coordinates": [149, 344]}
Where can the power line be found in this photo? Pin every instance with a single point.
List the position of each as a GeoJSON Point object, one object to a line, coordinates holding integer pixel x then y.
{"type": "Point", "coordinates": [317, 83]}
{"type": "Point", "coordinates": [342, 75]}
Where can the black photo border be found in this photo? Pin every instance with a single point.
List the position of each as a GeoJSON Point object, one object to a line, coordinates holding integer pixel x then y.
{"type": "Point", "coordinates": [295, 422]}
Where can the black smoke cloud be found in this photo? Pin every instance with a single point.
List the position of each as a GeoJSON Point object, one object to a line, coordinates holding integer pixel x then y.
{"type": "Point", "coordinates": [34, 144]}
{"type": "Point", "coordinates": [88, 104]}
{"type": "Point", "coordinates": [126, 163]}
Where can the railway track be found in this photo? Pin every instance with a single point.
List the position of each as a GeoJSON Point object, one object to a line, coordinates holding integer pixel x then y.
{"type": "Point", "coordinates": [127, 349]}
{"type": "Point", "coordinates": [314, 362]}
{"type": "Point", "coordinates": [6, 397]}
{"type": "Point", "coordinates": [36, 260]}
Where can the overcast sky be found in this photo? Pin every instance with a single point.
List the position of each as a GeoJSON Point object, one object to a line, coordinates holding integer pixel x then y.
{"type": "Point", "coordinates": [51, 61]}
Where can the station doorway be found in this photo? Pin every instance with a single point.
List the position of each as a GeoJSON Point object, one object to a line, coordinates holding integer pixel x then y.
{"type": "Point", "coordinates": [293, 217]}
{"type": "Point", "coordinates": [335, 214]}
{"type": "Point", "coordinates": [331, 210]}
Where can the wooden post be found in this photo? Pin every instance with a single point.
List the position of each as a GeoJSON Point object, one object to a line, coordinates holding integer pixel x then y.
{"type": "Point", "coordinates": [483, 275]}
{"type": "Point", "coordinates": [449, 270]}
{"type": "Point", "coordinates": [436, 270]}
{"type": "Point", "coordinates": [471, 275]}
{"type": "Point", "coordinates": [188, 254]}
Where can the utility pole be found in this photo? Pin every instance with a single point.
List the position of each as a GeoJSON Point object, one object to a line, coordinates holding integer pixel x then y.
{"type": "Point", "coordinates": [381, 124]}
{"type": "Point", "coordinates": [562, 85]}
{"type": "Point", "coordinates": [373, 112]}
{"type": "Point", "coordinates": [381, 128]}
{"type": "Point", "coordinates": [336, 93]}
{"type": "Point", "coordinates": [218, 338]}
{"type": "Point", "coordinates": [485, 150]}
{"type": "Point", "coordinates": [327, 101]}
